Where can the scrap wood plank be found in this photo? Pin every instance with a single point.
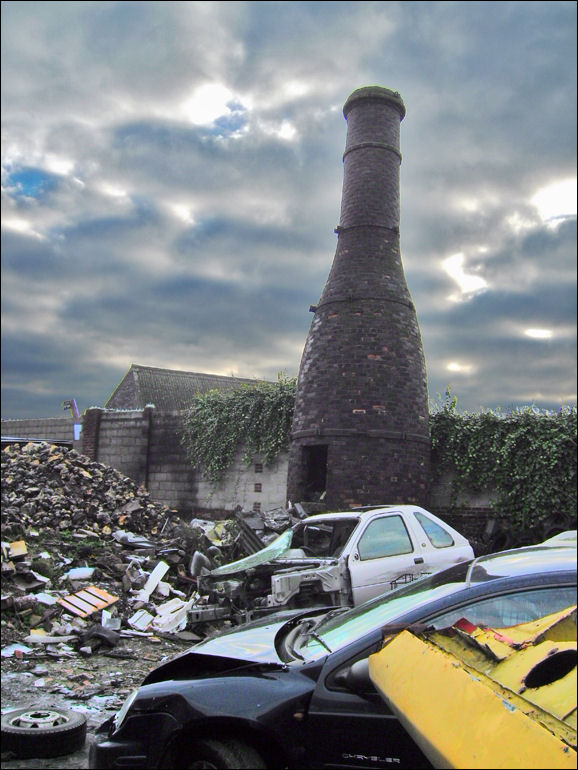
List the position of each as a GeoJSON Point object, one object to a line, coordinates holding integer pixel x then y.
{"type": "Point", "coordinates": [87, 601]}
{"type": "Point", "coordinates": [17, 550]}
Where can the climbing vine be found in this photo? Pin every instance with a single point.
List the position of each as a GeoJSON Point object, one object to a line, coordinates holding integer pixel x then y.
{"type": "Point", "coordinates": [255, 418]}
{"type": "Point", "coordinates": [527, 455]}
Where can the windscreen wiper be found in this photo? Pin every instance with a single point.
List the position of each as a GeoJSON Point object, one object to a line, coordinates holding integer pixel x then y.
{"type": "Point", "coordinates": [313, 635]}
{"type": "Point", "coordinates": [290, 641]}
{"type": "Point", "coordinates": [300, 636]}
{"type": "Point", "coordinates": [331, 614]}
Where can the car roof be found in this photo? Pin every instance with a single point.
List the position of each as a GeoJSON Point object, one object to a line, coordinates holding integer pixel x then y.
{"type": "Point", "coordinates": [562, 538]}
{"type": "Point", "coordinates": [531, 560]}
{"type": "Point", "coordinates": [363, 513]}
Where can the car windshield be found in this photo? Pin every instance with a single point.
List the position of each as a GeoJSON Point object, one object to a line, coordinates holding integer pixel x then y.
{"type": "Point", "coordinates": [336, 631]}
{"type": "Point", "coordinates": [323, 538]}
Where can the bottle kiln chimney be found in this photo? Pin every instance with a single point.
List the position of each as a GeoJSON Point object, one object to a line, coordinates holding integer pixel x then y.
{"type": "Point", "coordinates": [360, 429]}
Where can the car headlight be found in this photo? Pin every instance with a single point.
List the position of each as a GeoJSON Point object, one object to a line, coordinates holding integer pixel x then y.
{"type": "Point", "coordinates": [120, 715]}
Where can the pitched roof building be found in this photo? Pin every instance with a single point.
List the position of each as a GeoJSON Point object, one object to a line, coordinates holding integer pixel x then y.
{"type": "Point", "coordinates": [167, 389]}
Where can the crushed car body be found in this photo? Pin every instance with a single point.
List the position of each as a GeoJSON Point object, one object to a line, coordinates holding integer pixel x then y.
{"type": "Point", "coordinates": [331, 559]}
{"type": "Point", "coordinates": [294, 689]}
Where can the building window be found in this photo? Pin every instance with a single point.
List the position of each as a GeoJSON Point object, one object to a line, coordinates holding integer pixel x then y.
{"type": "Point", "coordinates": [256, 506]}
{"type": "Point", "coordinates": [258, 467]}
{"type": "Point", "coordinates": [258, 487]}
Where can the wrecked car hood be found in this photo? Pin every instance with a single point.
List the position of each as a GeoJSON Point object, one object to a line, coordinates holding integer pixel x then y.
{"type": "Point", "coordinates": [239, 647]}
{"type": "Point", "coordinates": [272, 551]}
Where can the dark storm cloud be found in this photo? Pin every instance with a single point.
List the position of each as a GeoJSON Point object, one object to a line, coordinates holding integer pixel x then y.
{"type": "Point", "coordinates": [26, 257]}
{"type": "Point", "coordinates": [135, 230]}
{"type": "Point", "coordinates": [543, 254]}
{"type": "Point", "coordinates": [487, 334]}
{"type": "Point", "coordinates": [190, 159]}
{"type": "Point", "coordinates": [39, 372]}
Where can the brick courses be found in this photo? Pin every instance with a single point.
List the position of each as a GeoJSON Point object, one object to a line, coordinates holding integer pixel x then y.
{"type": "Point", "coordinates": [362, 389]}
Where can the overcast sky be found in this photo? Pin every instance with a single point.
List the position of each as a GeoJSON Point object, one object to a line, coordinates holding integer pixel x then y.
{"type": "Point", "coordinates": [172, 173]}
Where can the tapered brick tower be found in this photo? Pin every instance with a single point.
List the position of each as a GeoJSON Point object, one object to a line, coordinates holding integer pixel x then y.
{"type": "Point", "coordinates": [360, 430]}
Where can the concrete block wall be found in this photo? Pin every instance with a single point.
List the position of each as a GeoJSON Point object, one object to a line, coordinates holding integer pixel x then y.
{"type": "Point", "coordinates": [123, 441]}
{"type": "Point", "coordinates": [253, 487]}
{"type": "Point", "coordinates": [48, 428]}
{"type": "Point", "coordinates": [145, 445]}
{"type": "Point", "coordinates": [171, 479]}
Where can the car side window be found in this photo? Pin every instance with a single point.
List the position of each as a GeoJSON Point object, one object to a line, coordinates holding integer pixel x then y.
{"type": "Point", "coordinates": [387, 536]}
{"type": "Point", "coordinates": [511, 609]}
{"type": "Point", "coordinates": [438, 536]}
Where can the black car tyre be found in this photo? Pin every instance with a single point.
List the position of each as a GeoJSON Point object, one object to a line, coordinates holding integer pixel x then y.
{"type": "Point", "coordinates": [225, 754]}
{"type": "Point", "coordinates": [41, 733]}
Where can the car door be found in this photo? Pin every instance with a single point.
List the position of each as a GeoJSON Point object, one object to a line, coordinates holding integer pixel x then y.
{"type": "Point", "coordinates": [355, 730]}
{"type": "Point", "coordinates": [347, 725]}
{"type": "Point", "coordinates": [385, 552]}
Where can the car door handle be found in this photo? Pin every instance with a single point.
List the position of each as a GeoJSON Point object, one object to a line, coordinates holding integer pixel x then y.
{"type": "Point", "coordinates": [418, 560]}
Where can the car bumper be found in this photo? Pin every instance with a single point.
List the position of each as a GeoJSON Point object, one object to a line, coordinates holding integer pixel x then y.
{"type": "Point", "coordinates": [141, 745]}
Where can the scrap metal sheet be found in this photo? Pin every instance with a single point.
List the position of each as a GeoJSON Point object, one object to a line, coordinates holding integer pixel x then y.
{"type": "Point", "coordinates": [479, 703]}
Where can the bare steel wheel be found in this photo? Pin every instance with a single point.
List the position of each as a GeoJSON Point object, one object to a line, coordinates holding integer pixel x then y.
{"type": "Point", "coordinates": [224, 754]}
{"type": "Point", "coordinates": [40, 732]}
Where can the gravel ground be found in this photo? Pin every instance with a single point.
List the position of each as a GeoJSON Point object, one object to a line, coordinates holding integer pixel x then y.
{"type": "Point", "coordinates": [95, 686]}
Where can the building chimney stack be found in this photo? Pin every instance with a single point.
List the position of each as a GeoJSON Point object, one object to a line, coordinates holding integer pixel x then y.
{"type": "Point", "coordinates": [360, 432]}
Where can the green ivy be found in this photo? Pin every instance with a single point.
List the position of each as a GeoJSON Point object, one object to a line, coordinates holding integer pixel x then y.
{"type": "Point", "coordinates": [528, 456]}
{"type": "Point", "coordinates": [256, 418]}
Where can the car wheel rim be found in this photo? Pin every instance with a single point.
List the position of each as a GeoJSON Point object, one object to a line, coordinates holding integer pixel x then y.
{"type": "Point", "coordinates": [38, 719]}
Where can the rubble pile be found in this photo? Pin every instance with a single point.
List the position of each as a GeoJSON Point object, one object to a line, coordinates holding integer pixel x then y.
{"type": "Point", "coordinates": [49, 487]}
{"type": "Point", "coordinates": [88, 558]}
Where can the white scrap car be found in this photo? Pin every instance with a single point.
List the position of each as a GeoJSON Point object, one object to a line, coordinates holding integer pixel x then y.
{"type": "Point", "coordinates": [333, 559]}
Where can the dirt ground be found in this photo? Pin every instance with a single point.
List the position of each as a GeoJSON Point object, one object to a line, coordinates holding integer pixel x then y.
{"type": "Point", "coordinates": [95, 686]}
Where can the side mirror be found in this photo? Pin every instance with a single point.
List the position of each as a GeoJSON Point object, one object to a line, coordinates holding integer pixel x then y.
{"type": "Point", "coordinates": [355, 677]}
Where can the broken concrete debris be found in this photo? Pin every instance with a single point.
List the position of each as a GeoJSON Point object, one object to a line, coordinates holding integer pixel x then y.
{"type": "Point", "coordinates": [144, 594]}
{"type": "Point", "coordinates": [89, 559]}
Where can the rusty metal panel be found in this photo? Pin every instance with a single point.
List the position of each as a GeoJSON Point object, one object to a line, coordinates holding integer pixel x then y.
{"type": "Point", "coordinates": [488, 698]}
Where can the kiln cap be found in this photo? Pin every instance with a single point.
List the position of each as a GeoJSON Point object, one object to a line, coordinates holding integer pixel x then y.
{"type": "Point", "coordinates": [375, 93]}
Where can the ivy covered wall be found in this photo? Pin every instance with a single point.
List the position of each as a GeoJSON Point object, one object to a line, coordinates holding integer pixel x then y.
{"type": "Point", "coordinates": [523, 462]}
{"type": "Point", "coordinates": [514, 470]}
{"type": "Point", "coordinates": [255, 419]}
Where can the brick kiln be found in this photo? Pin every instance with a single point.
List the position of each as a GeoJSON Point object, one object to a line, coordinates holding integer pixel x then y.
{"type": "Point", "coordinates": [360, 430]}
